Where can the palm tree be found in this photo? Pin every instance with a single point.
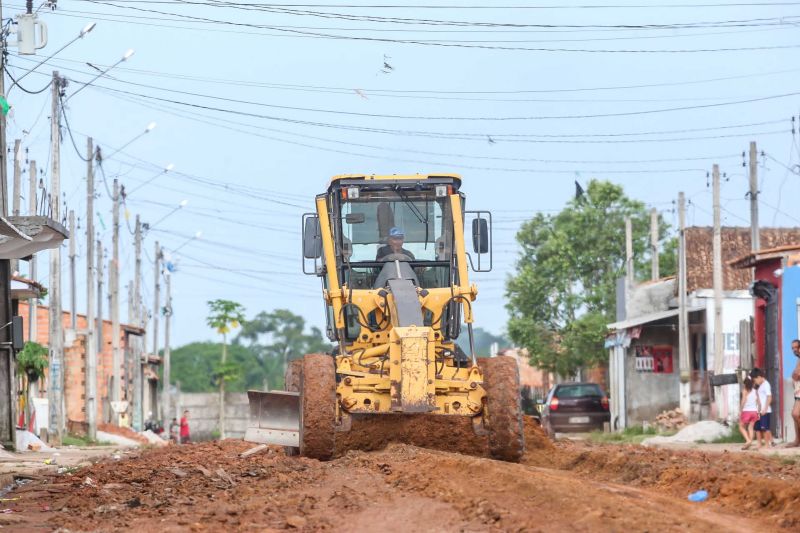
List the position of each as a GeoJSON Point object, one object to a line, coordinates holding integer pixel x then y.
{"type": "Point", "coordinates": [224, 315]}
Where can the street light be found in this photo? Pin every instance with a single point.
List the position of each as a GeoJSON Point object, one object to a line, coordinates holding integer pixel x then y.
{"type": "Point", "coordinates": [124, 58]}
{"type": "Point", "coordinates": [196, 236]}
{"type": "Point", "coordinates": [160, 220]}
{"type": "Point", "coordinates": [87, 29]}
{"type": "Point", "coordinates": [148, 181]}
{"type": "Point", "coordinates": [150, 127]}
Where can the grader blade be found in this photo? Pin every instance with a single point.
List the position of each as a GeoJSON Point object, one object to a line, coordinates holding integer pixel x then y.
{"type": "Point", "coordinates": [274, 418]}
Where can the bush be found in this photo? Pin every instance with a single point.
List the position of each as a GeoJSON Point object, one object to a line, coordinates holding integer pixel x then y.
{"type": "Point", "coordinates": [32, 360]}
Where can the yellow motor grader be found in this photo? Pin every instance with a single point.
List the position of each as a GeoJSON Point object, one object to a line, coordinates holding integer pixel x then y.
{"type": "Point", "coordinates": [394, 266]}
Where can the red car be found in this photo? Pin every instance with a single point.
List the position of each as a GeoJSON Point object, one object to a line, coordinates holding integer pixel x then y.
{"type": "Point", "coordinates": [575, 407]}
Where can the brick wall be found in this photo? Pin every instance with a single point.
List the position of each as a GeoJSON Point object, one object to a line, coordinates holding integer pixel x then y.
{"type": "Point", "coordinates": [74, 361]}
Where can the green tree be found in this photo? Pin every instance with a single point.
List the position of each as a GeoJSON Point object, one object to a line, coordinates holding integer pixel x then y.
{"type": "Point", "coordinates": [563, 292]}
{"type": "Point", "coordinates": [223, 316]}
{"type": "Point", "coordinates": [276, 338]}
{"type": "Point", "coordinates": [195, 366]}
{"type": "Point", "coordinates": [483, 341]}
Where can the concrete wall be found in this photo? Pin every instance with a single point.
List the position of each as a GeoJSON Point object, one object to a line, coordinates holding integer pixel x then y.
{"type": "Point", "coordinates": [648, 394]}
{"type": "Point", "coordinates": [204, 413]}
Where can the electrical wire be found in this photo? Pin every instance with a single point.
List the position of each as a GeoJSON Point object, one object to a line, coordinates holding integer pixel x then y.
{"type": "Point", "coordinates": [69, 131]}
{"type": "Point", "coordinates": [23, 89]}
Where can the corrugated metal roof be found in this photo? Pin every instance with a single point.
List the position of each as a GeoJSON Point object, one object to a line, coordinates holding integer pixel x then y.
{"type": "Point", "coordinates": [650, 317]}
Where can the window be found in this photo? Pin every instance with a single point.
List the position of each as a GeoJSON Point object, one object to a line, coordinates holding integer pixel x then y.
{"type": "Point", "coordinates": [424, 220]}
{"type": "Point", "coordinates": [578, 391]}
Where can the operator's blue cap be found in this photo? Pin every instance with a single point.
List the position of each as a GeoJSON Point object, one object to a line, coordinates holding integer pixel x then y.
{"type": "Point", "coordinates": [396, 232]}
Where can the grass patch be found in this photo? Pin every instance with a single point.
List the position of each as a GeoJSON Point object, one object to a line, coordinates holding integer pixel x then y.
{"type": "Point", "coordinates": [75, 440]}
{"type": "Point", "coordinates": [632, 435]}
{"type": "Point", "coordinates": [734, 438]}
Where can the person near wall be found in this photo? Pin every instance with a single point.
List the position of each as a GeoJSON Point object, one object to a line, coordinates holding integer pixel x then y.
{"type": "Point", "coordinates": [796, 405]}
{"type": "Point", "coordinates": [749, 410]}
{"type": "Point", "coordinates": [185, 436]}
{"type": "Point", "coordinates": [764, 389]}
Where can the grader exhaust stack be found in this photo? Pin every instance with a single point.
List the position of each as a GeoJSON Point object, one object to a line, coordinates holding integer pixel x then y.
{"type": "Point", "coordinates": [391, 254]}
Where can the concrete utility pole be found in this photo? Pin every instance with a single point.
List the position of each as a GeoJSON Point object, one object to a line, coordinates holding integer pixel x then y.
{"type": "Point", "coordinates": [683, 315]}
{"type": "Point", "coordinates": [91, 346]}
{"type": "Point", "coordinates": [55, 387]}
{"type": "Point", "coordinates": [156, 297]}
{"type": "Point", "coordinates": [629, 274]}
{"type": "Point", "coordinates": [8, 380]}
{"type": "Point", "coordinates": [755, 238]}
{"type": "Point", "coordinates": [138, 342]}
{"type": "Point", "coordinates": [73, 254]}
{"type": "Point", "coordinates": [113, 287]}
{"type": "Point", "coordinates": [16, 194]}
{"type": "Point", "coordinates": [717, 274]}
{"type": "Point", "coordinates": [100, 276]}
{"type": "Point", "coordinates": [165, 401]}
{"type": "Point", "coordinates": [32, 302]}
{"type": "Point", "coordinates": [654, 243]}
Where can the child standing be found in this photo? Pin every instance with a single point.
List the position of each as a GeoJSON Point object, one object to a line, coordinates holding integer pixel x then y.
{"type": "Point", "coordinates": [764, 391]}
{"type": "Point", "coordinates": [749, 410]}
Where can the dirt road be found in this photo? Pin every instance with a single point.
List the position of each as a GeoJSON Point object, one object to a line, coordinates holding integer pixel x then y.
{"type": "Point", "coordinates": [575, 487]}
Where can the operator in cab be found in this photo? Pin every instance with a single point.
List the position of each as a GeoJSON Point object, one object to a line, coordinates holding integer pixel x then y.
{"type": "Point", "coordinates": [394, 245]}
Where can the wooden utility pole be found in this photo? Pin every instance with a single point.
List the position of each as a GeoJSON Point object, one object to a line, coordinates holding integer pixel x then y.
{"type": "Point", "coordinates": [717, 273]}
{"type": "Point", "coordinates": [32, 302]}
{"type": "Point", "coordinates": [156, 297]}
{"type": "Point", "coordinates": [683, 315]}
{"type": "Point", "coordinates": [755, 238]}
{"type": "Point", "coordinates": [165, 401]}
{"type": "Point", "coordinates": [91, 343]}
{"type": "Point", "coordinates": [654, 244]}
{"type": "Point", "coordinates": [113, 287]}
{"type": "Point", "coordinates": [629, 274]}
{"type": "Point", "coordinates": [73, 254]}
{"type": "Point", "coordinates": [55, 386]}
{"type": "Point", "coordinates": [138, 346]}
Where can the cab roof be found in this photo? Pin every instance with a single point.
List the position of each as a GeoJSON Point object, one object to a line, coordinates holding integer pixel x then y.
{"type": "Point", "coordinates": [394, 177]}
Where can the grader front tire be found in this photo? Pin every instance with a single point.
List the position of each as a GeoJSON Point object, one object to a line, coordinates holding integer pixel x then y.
{"type": "Point", "coordinates": [503, 417]}
{"type": "Point", "coordinates": [317, 407]}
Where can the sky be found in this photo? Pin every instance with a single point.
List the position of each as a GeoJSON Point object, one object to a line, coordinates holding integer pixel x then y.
{"type": "Point", "coordinates": [258, 104]}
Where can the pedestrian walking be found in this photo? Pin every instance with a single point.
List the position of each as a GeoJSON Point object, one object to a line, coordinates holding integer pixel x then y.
{"type": "Point", "coordinates": [764, 390]}
{"type": "Point", "coordinates": [185, 435]}
{"type": "Point", "coordinates": [749, 412]}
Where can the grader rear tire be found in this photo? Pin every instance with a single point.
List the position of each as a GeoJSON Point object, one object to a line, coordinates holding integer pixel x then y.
{"type": "Point", "coordinates": [291, 382]}
{"type": "Point", "coordinates": [317, 407]}
{"type": "Point", "coordinates": [503, 416]}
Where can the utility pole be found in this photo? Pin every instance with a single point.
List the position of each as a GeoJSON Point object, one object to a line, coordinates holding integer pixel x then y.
{"type": "Point", "coordinates": [138, 343]}
{"type": "Point", "coordinates": [100, 276]}
{"type": "Point", "coordinates": [55, 387]}
{"type": "Point", "coordinates": [91, 346]}
{"type": "Point", "coordinates": [73, 296]}
{"type": "Point", "coordinates": [16, 195]}
{"type": "Point", "coordinates": [33, 303]}
{"type": "Point", "coordinates": [113, 287]}
{"type": "Point", "coordinates": [654, 243]}
{"type": "Point", "coordinates": [717, 274]}
{"type": "Point", "coordinates": [629, 274]}
{"type": "Point", "coordinates": [755, 238]}
{"type": "Point", "coordinates": [8, 378]}
{"type": "Point", "coordinates": [165, 401]}
{"type": "Point", "coordinates": [156, 297]}
{"type": "Point", "coordinates": [683, 315]}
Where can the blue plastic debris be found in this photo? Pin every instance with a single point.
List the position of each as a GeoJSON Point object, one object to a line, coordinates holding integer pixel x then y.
{"type": "Point", "coordinates": [699, 496]}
